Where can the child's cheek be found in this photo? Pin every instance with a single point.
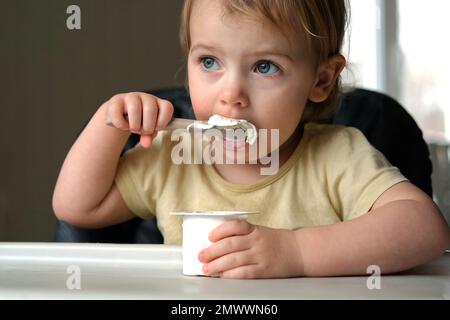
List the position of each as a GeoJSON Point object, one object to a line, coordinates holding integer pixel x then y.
{"type": "Point", "coordinates": [201, 110]}
{"type": "Point", "coordinates": [201, 102]}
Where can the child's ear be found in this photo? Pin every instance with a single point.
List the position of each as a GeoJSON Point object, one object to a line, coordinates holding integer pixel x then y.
{"type": "Point", "coordinates": [327, 73]}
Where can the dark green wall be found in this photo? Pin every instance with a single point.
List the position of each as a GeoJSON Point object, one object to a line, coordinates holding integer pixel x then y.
{"type": "Point", "coordinates": [53, 79]}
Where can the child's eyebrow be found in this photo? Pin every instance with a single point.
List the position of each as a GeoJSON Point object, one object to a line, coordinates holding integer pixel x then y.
{"type": "Point", "coordinates": [202, 46]}
{"type": "Point", "coordinates": [270, 53]}
{"type": "Point", "coordinates": [254, 53]}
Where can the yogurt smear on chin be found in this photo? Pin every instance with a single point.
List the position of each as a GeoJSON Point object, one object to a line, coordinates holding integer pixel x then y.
{"type": "Point", "coordinates": [224, 123]}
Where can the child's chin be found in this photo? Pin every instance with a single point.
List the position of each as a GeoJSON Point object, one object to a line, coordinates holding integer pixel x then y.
{"type": "Point", "coordinates": [235, 145]}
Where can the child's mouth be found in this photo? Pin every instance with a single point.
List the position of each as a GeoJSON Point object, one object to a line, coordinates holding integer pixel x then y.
{"type": "Point", "coordinates": [237, 131]}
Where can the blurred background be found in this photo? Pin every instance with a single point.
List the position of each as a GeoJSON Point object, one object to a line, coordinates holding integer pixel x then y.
{"type": "Point", "coordinates": [52, 79]}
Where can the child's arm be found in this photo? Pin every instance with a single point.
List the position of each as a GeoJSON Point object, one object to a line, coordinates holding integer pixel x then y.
{"type": "Point", "coordinates": [85, 195]}
{"type": "Point", "coordinates": [404, 229]}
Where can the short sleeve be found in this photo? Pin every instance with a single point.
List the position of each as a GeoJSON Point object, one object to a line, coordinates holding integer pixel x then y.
{"type": "Point", "coordinates": [358, 174]}
{"type": "Point", "coordinates": [140, 177]}
{"type": "Point", "coordinates": [130, 189]}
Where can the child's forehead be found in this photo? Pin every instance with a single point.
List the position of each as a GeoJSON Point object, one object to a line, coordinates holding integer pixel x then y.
{"type": "Point", "coordinates": [212, 25]}
{"type": "Point", "coordinates": [206, 11]}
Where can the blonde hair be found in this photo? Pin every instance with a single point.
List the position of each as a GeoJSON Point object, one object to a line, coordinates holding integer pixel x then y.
{"type": "Point", "coordinates": [322, 22]}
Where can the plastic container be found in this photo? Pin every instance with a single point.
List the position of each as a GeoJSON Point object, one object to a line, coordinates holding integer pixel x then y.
{"type": "Point", "coordinates": [196, 227]}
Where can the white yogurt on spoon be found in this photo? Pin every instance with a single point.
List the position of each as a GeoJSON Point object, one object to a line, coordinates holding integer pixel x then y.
{"type": "Point", "coordinates": [223, 123]}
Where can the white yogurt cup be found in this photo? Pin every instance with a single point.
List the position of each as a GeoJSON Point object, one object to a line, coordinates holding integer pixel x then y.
{"type": "Point", "coordinates": [196, 227]}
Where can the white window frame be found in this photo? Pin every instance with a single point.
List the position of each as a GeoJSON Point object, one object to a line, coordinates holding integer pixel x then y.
{"type": "Point", "coordinates": [388, 41]}
{"type": "Point", "coordinates": [386, 46]}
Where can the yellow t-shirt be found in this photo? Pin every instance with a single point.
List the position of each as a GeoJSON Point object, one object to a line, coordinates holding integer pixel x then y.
{"type": "Point", "coordinates": [333, 175]}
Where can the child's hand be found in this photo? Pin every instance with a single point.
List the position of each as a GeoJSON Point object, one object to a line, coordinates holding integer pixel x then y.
{"type": "Point", "coordinates": [243, 250]}
{"type": "Point", "coordinates": [139, 113]}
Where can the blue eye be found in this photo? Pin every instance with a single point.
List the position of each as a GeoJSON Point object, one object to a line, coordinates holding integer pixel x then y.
{"type": "Point", "coordinates": [267, 68]}
{"type": "Point", "coordinates": [209, 63]}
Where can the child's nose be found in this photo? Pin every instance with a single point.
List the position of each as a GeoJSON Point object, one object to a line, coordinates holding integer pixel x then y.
{"type": "Point", "coordinates": [234, 94]}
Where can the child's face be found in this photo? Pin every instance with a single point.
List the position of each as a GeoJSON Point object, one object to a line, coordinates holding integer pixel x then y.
{"type": "Point", "coordinates": [241, 68]}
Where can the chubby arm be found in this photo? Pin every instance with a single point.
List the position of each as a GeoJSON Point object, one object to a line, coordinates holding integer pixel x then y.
{"type": "Point", "coordinates": [87, 175]}
{"type": "Point", "coordinates": [85, 194]}
{"type": "Point", "coordinates": [403, 229]}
